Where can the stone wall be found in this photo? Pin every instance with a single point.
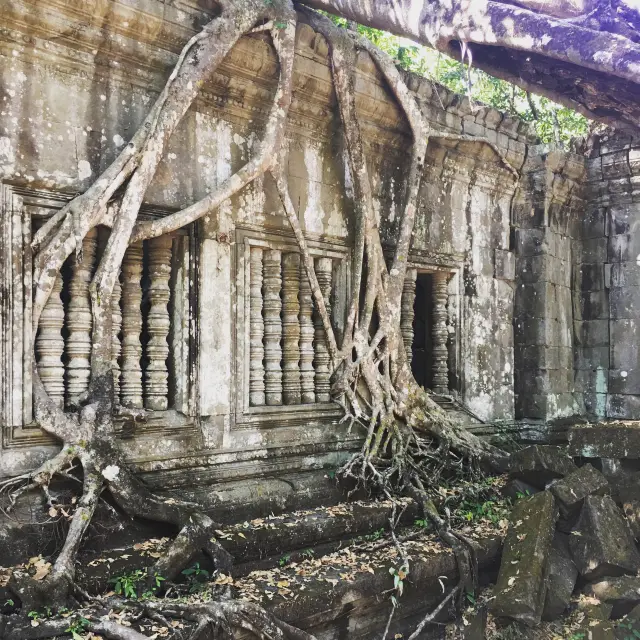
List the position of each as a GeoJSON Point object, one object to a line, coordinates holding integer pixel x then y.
{"type": "Point", "coordinates": [76, 80]}
{"type": "Point", "coordinates": [607, 276]}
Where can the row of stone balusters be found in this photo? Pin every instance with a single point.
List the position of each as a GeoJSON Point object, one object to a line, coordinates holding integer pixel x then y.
{"type": "Point", "coordinates": [289, 360]}
{"type": "Point", "coordinates": [127, 324]}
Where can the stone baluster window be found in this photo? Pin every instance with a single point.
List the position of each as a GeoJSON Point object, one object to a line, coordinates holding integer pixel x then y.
{"type": "Point", "coordinates": [150, 326]}
{"type": "Point", "coordinates": [286, 358]}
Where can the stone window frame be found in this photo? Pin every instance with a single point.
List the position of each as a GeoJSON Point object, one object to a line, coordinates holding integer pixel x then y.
{"type": "Point", "coordinates": [18, 207]}
{"type": "Point", "coordinates": [247, 236]}
{"type": "Point", "coordinates": [429, 262]}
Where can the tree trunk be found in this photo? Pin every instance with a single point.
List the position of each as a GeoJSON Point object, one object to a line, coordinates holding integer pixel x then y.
{"type": "Point", "coordinates": [584, 42]}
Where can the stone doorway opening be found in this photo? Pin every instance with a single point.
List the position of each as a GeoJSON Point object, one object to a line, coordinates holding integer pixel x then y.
{"type": "Point", "coordinates": [422, 347]}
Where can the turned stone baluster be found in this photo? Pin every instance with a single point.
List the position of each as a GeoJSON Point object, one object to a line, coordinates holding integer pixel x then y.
{"type": "Point", "coordinates": [321, 363]}
{"type": "Point", "coordinates": [307, 330]}
{"type": "Point", "coordinates": [256, 330]}
{"type": "Point", "coordinates": [116, 326]}
{"type": "Point", "coordinates": [407, 313]}
{"type": "Point", "coordinates": [158, 324]}
{"type": "Point", "coordinates": [272, 326]}
{"type": "Point", "coordinates": [131, 377]}
{"type": "Point", "coordinates": [79, 319]}
{"type": "Point", "coordinates": [439, 333]}
{"type": "Point", "coordinates": [50, 345]}
{"type": "Point", "coordinates": [291, 328]}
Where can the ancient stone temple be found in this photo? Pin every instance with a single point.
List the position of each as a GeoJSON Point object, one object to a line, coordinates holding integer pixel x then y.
{"type": "Point", "coordinates": [520, 305]}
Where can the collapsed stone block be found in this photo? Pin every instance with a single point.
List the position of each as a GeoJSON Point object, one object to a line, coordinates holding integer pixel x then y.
{"type": "Point", "coordinates": [516, 489]}
{"type": "Point", "coordinates": [522, 580]}
{"type": "Point", "coordinates": [540, 464]}
{"type": "Point", "coordinates": [601, 543]}
{"type": "Point", "coordinates": [623, 593]}
{"type": "Point", "coordinates": [611, 440]}
{"type": "Point", "coordinates": [571, 491]}
{"type": "Point", "coordinates": [562, 578]}
{"type": "Point", "coordinates": [631, 510]}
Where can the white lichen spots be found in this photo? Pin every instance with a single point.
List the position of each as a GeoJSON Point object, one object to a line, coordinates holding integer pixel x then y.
{"type": "Point", "coordinates": [103, 97]}
{"type": "Point", "coordinates": [111, 472]}
{"type": "Point", "coordinates": [602, 57]}
{"type": "Point", "coordinates": [313, 213]}
{"type": "Point", "coordinates": [172, 156]}
{"type": "Point", "coordinates": [545, 40]}
{"type": "Point", "coordinates": [7, 153]}
{"type": "Point", "coordinates": [623, 374]}
{"type": "Point", "coordinates": [84, 170]}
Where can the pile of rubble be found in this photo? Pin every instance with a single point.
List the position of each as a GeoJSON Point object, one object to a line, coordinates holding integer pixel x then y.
{"type": "Point", "coordinates": [574, 529]}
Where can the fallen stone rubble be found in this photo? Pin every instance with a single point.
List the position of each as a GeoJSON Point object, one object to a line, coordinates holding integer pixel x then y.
{"type": "Point", "coordinates": [574, 533]}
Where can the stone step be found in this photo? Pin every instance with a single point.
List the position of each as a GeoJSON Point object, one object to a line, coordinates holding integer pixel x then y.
{"type": "Point", "coordinates": [347, 594]}
{"type": "Point", "coordinates": [261, 543]}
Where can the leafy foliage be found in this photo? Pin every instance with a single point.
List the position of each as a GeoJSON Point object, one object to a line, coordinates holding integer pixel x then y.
{"type": "Point", "coordinates": [553, 122]}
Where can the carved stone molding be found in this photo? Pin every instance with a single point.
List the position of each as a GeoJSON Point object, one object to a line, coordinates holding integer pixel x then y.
{"type": "Point", "coordinates": [440, 334]}
{"type": "Point", "coordinates": [291, 328]}
{"type": "Point", "coordinates": [272, 326]}
{"type": "Point", "coordinates": [407, 313]}
{"type": "Point", "coordinates": [131, 377]}
{"type": "Point", "coordinates": [324, 271]}
{"type": "Point", "coordinates": [79, 321]}
{"type": "Point", "coordinates": [256, 331]}
{"type": "Point", "coordinates": [158, 324]}
{"type": "Point", "coordinates": [307, 333]}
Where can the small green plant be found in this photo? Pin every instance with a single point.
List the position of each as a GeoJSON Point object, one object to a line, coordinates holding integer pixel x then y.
{"type": "Point", "coordinates": [471, 598]}
{"type": "Point", "coordinates": [580, 635]}
{"type": "Point", "coordinates": [520, 494]}
{"type": "Point", "coordinates": [127, 584]}
{"type": "Point", "coordinates": [308, 553]}
{"type": "Point", "coordinates": [376, 535]}
{"type": "Point", "coordinates": [77, 628]}
{"type": "Point", "coordinates": [284, 560]}
{"type": "Point", "coordinates": [423, 524]}
{"type": "Point", "coordinates": [631, 631]}
{"type": "Point", "coordinates": [34, 615]}
{"type": "Point", "coordinates": [196, 571]}
{"type": "Point", "coordinates": [9, 603]}
{"type": "Point", "coordinates": [399, 576]}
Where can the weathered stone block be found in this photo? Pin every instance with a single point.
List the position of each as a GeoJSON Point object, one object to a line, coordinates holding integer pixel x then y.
{"type": "Point", "coordinates": [631, 510]}
{"type": "Point", "coordinates": [540, 464]}
{"type": "Point", "coordinates": [594, 305]}
{"type": "Point", "coordinates": [571, 491]}
{"type": "Point", "coordinates": [521, 586]}
{"type": "Point", "coordinates": [593, 250]}
{"type": "Point", "coordinates": [562, 578]}
{"type": "Point", "coordinates": [613, 440]}
{"type": "Point", "coordinates": [623, 407]}
{"type": "Point", "coordinates": [504, 267]}
{"type": "Point", "coordinates": [601, 543]}
{"type": "Point", "coordinates": [622, 592]}
{"type": "Point", "coordinates": [624, 302]}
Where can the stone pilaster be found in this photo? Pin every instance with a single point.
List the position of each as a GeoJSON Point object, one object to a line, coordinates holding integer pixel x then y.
{"type": "Point", "coordinates": [158, 324]}
{"type": "Point", "coordinates": [272, 326]}
{"type": "Point", "coordinates": [291, 328]}
{"type": "Point", "coordinates": [131, 378]}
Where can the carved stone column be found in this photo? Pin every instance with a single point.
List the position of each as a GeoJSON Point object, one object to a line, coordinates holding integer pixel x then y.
{"type": "Point", "coordinates": [272, 326]}
{"type": "Point", "coordinates": [407, 313]}
{"type": "Point", "coordinates": [321, 362]}
{"type": "Point", "coordinates": [307, 330]}
{"type": "Point", "coordinates": [79, 321]}
{"type": "Point", "coordinates": [256, 330]}
{"type": "Point", "coordinates": [156, 387]}
{"type": "Point", "coordinates": [131, 378]}
{"type": "Point", "coordinates": [50, 345]}
{"type": "Point", "coordinates": [439, 333]}
{"type": "Point", "coordinates": [291, 328]}
{"type": "Point", "coordinates": [116, 327]}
